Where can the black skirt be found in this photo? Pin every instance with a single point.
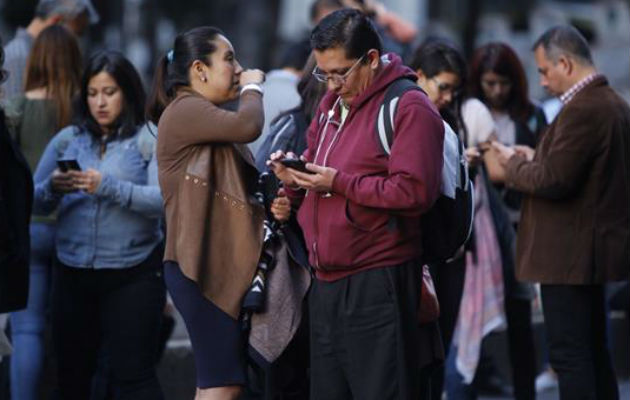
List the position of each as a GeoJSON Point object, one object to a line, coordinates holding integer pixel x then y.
{"type": "Point", "coordinates": [217, 339]}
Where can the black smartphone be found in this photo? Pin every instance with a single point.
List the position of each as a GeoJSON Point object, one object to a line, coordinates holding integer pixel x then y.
{"type": "Point", "coordinates": [68, 165]}
{"type": "Point", "coordinates": [296, 164]}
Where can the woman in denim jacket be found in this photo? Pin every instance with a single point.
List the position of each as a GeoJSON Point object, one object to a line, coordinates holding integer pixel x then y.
{"type": "Point", "coordinates": [108, 289]}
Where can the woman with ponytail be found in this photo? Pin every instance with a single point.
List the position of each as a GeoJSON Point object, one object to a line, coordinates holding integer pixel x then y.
{"type": "Point", "coordinates": [214, 226]}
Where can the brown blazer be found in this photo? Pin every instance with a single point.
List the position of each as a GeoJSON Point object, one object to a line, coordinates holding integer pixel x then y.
{"type": "Point", "coordinates": [575, 227]}
{"type": "Point", "coordinates": [214, 227]}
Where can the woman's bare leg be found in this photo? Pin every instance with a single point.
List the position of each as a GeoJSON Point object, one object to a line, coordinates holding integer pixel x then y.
{"type": "Point", "coordinates": [219, 393]}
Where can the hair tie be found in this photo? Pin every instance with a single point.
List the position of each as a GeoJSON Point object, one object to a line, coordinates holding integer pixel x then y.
{"type": "Point", "coordinates": [169, 56]}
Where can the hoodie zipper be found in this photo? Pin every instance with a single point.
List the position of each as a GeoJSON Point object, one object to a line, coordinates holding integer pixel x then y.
{"type": "Point", "coordinates": [317, 198]}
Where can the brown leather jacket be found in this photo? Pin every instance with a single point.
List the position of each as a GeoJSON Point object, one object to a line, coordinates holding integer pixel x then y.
{"type": "Point", "coordinates": [214, 227]}
{"type": "Point", "coordinates": [575, 224]}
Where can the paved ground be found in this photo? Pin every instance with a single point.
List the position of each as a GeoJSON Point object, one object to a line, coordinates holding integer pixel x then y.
{"type": "Point", "coordinates": [176, 371]}
{"type": "Point", "coordinates": [624, 393]}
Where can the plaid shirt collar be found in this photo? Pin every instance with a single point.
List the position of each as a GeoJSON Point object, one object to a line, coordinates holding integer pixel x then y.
{"type": "Point", "coordinates": [575, 89]}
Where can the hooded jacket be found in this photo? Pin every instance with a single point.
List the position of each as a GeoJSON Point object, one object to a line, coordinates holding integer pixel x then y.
{"type": "Point", "coordinates": [352, 230]}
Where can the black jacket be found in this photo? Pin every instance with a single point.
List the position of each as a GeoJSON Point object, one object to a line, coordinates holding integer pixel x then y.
{"type": "Point", "coordinates": [16, 198]}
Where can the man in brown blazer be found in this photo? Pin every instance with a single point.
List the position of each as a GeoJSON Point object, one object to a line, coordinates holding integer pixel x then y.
{"type": "Point", "coordinates": [575, 227]}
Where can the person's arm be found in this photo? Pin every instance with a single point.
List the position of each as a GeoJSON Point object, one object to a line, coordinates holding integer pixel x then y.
{"type": "Point", "coordinates": [14, 64]}
{"type": "Point", "coordinates": [559, 173]}
{"type": "Point", "coordinates": [294, 193]}
{"type": "Point", "coordinates": [146, 198]}
{"type": "Point", "coordinates": [481, 131]}
{"type": "Point", "coordinates": [197, 121]}
{"type": "Point", "coordinates": [45, 197]}
{"type": "Point", "coordinates": [401, 30]}
{"type": "Point", "coordinates": [496, 171]}
{"type": "Point", "coordinates": [415, 166]}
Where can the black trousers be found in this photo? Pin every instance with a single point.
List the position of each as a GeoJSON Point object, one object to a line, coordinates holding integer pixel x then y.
{"type": "Point", "coordinates": [449, 285]}
{"type": "Point", "coordinates": [365, 336]}
{"type": "Point", "coordinates": [575, 324]}
{"type": "Point", "coordinates": [448, 279]}
{"type": "Point", "coordinates": [518, 313]}
{"type": "Point", "coordinates": [115, 312]}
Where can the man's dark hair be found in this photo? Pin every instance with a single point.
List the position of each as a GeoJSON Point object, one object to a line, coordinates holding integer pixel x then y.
{"type": "Point", "coordinates": [567, 40]}
{"type": "Point", "coordinates": [349, 29]}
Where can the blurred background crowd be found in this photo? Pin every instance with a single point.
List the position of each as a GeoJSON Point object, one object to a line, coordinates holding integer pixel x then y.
{"type": "Point", "coordinates": [262, 29]}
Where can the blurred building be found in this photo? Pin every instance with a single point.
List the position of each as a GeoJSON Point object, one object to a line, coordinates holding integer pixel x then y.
{"type": "Point", "coordinates": [145, 29]}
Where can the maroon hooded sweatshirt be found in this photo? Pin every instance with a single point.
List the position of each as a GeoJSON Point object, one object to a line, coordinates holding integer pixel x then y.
{"type": "Point", "coordinates": [351, 230]}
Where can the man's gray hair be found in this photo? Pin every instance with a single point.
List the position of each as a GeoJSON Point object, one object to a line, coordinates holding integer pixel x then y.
{"type": "Point", "coordinates": [564, 40]}
{"type": "Point", "coordinates": [67, 8]}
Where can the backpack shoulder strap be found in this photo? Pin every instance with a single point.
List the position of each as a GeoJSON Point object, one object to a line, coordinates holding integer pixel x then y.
{"type": "Point", "coordinates": [387, 111]}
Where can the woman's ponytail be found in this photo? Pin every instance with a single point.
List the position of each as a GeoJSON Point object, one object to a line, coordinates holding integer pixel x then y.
{"type": "Point", "coordinates": [159, 97]}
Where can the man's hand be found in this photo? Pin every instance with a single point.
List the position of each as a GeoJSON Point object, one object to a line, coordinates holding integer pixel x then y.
{"type": "Point", "coordinates": [89, 180]}
{"type": "Point", "coordinates": [525, 151]}
{"type": "Point", "coordinates": [63, 182]}
{"type": "Point", "coordinates": [473, 156]}
{"type": "Point", "coordinates": [320, 181]}
{"type": "Point", "coordinates": [283, 173]}
{"type": "Point", "coordinates": [503, 152]}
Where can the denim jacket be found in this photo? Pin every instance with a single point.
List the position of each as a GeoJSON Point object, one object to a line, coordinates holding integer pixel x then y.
{"type": "Point", "coordinates": [119, 225]}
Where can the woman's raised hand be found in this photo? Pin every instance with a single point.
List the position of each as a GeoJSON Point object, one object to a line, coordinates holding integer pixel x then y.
{"type": "Point", "coordinates": [252, 76]}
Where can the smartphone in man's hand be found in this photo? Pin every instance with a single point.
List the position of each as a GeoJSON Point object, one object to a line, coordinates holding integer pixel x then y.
{"type": "Point", "coordinates": [295, 164]}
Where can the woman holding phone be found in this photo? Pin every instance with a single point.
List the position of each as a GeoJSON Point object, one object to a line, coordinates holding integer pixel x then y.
{"type": "Point", "coordinates": [442, 73]}
{"type": "Point", "coordinates": [108, 288]}
{"type": "Point", "coordinates": [208, 177]}
{"type": "Point", "coordinates": [52, 78]}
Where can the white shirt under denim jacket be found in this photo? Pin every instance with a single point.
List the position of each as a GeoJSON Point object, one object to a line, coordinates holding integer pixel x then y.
{"type": "Point", "coordinates": [119, 225]}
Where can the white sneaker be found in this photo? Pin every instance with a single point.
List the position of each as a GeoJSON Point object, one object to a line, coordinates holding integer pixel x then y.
{"type": "Point", "coordinates": [546, 381]}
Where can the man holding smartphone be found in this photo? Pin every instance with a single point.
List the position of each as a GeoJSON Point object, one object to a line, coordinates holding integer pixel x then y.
{"type": "Point", "coordinates": [574, 233]}
{"type": "Point", "coordinates": [360, 212]}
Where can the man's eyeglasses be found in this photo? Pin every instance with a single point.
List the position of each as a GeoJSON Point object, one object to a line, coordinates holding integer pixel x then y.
{"type": "Point", "coordinates": [337, 79]}
{"type": "Point", "coordinates": [444, 87]}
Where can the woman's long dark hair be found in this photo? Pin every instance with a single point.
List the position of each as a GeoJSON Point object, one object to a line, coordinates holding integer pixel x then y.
{"type": "Point", "coordinates": [54, 63]}
{"type": "Point", "coordinates": [127, 78]}
{"type": "Point", "coordinates": [499, 58]}
{"type": "Point", "coordinates": [172, 69]}
{"type": "Point", "coordinates": [435, 56]}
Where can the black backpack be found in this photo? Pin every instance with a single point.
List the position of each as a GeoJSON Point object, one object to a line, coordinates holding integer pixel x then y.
{"type": "Point", "coordinates": [448, 224]}
{"type": "Point", "coordinates": [287, 133]}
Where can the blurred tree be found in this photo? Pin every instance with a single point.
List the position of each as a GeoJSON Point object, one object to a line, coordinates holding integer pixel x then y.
{"type": "Point", "coordinates": [257, 35]}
